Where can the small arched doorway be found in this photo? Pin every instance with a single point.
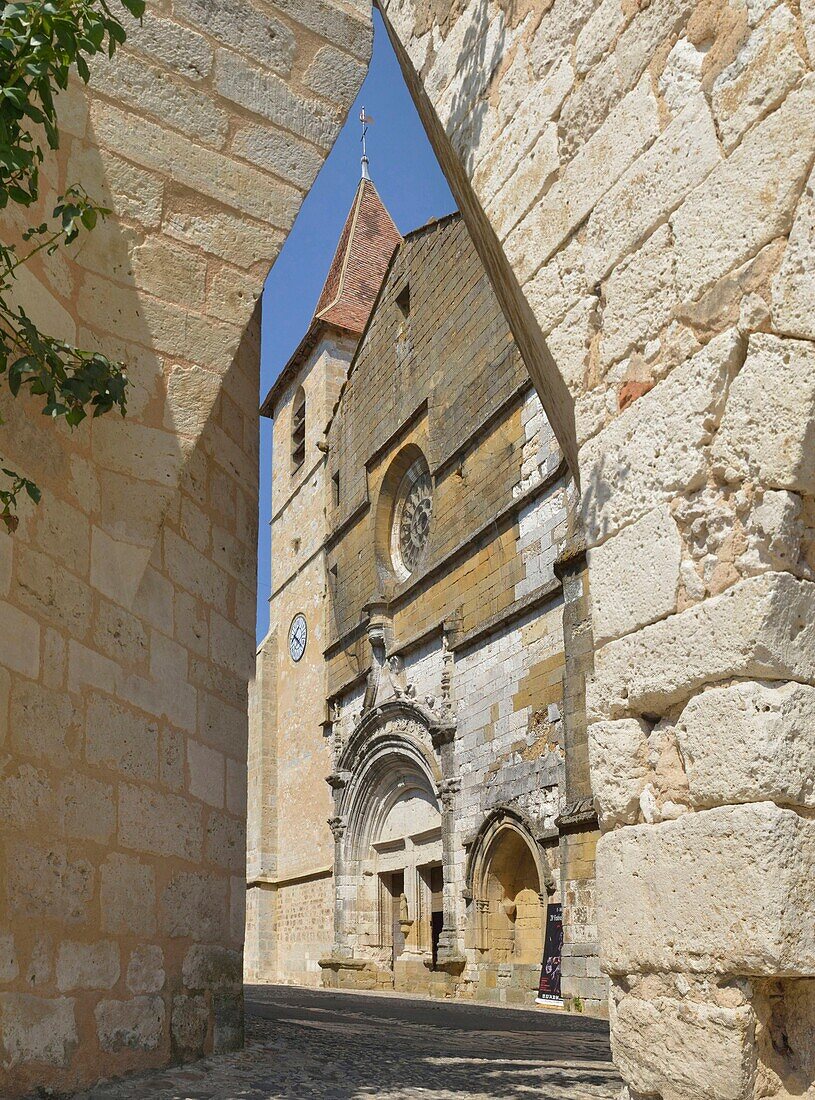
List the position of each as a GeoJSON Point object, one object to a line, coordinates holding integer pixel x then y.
{"type": "Point", "coordinates": [510, 884]}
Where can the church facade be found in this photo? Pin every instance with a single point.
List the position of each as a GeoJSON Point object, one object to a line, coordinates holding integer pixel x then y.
{"type": "Point", "coordinates": [414, 742]}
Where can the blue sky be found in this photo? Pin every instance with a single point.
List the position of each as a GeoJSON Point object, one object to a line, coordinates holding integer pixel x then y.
{"type": "Point", "coordinates": [411, 185]}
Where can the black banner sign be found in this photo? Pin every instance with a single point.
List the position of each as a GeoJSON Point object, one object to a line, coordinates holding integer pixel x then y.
{"type": "Point", "coordinates": [549, 988]}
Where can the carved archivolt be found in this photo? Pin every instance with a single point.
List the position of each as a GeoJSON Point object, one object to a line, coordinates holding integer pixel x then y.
{"type": "Point", "coordinates": [498, 823]}
{"type": "Point", "coordinates": [389, 754]}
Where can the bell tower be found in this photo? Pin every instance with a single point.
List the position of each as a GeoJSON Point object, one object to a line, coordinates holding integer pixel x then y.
{"type": "Point", "coordinates": [290, 846]}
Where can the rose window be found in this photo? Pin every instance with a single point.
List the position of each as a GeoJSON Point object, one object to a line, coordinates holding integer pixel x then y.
{"type": "Point", "coordinates": [411, 520]}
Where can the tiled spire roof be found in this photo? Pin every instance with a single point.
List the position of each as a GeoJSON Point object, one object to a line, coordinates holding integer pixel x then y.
{"type": "Point", "coordinates": [366, 245]}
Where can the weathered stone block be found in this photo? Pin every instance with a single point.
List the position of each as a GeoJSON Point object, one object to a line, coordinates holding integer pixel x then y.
{"type": "Point", "coordinates": [769, 421]}
{"type": "Point", "coordinates": [226, 841]}
{"type": "Point", "coordinates": [145, 971]}
{"type": "Point", "coordinates": [655, 449]}
{"type": "Point", "coordinates": [190, 1019]}
{"type": "Point", "coordinates": [793, 302]}
{"type": "Point", "coordinates": [164, 824]}
{"type": "Point", "coordinates": [750, 742]}
{"type": "Point", "coordinates": [136, 1024]}
{"type": "Point", "coordinates": [749, 199]}
{"type": "Point", "coordinates": [211, 967]}
{"type": "Point", "coordinates": [640, 295]}
{"type": "Point", "coordinates": [630, 127]}
{"type": "Point", "coordinates": [678, 1049]}
{"type": "Point", "coordinates": [207, 770]}
{"type": "Point", "coordinates": [87, 965]}
{"type": "Point", "coordinates": [127, 896]}
{"type": "Point", "coordinates": [182, 50]}
{"type": "Point", "coordinates": [33, 1029]}
{"type": "Point", "coordinates": [227, 1031]}
{"type": "Point", "coordinates": [42, 882]}
{"type": "Point", "coordinates": [271, 98]}
{"type": "Point", "coordinates": [248, 29]}
{"type": "Point", "coordinates": [87, 808]}
{"type": "Point", "coordinates": [696, 895]}
{"type": "Point", "coordinates": [19, 641]}
{"type": "Point", "coordinates": [9, 967]}
{"type": "Point", "coordinates": [618, 758]}
{"type": "Point", "coordinates": [621, 598]}
{"type": "Point", "coordinates": [652, 188]}
{"type": "Point", "coordinates": [762, 627]}
{"type": "Point", "coordinates": [195, 905]}
{"type": "Point", "coordinates": [764, 71]}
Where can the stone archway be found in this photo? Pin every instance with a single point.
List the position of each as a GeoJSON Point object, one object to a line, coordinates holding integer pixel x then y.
{"type": "Point", "coordinates": [390, 851]}
{"type": "Point", "coordinates": [636, 206]}
{"type": "Point", "coordinates": [509, 884]}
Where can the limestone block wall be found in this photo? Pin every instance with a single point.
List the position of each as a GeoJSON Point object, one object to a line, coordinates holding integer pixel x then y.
{"type": "Point", "coordinates": [637, 180]}
{"type": "Point", "coordinates": [127, 600]}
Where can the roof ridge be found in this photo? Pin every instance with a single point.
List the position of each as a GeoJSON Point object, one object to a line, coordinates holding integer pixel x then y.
{"type": "Point", "coordinates": [355, 208]}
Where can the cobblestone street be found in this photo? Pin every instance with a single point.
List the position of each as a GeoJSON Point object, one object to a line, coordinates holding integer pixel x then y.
{"type": "Point", "coordinates": [307, 1043]}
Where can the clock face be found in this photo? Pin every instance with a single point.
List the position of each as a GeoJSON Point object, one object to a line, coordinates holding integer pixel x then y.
{"type": "Point", "coordinates": [298, 633]}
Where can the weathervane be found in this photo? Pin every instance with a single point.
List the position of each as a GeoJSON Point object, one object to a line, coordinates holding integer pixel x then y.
{"type": "Point", "coordinates": [366, 121]}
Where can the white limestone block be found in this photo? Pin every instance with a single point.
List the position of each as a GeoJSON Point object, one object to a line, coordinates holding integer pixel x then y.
{"type": "Point", "coordinates": [681, 79]}
{"type": "Point", "coordinates": [723, 891]}
{"type": "Point", "coordinates": [570, 341]}
{"type": "Point", "coordinates": [793, 301]}
{"type": "Point", "coordinates": [655, 449]}
{"type": "Point", "coordinates": [767, 429]}
{"type": "Point", "coordinates": [750, 742]}
{"type": "Point", "coordinates": [762, 627]}
{"type": "Point", "coordinates": [764, 70]}
{"type": "Point", "coordinates": [630, 128]}
{"type": "Point", "coordinates": [679, 1048]}
{"type": "Point", "coordinates": [37, 1029]}
{"type": "Point", "coordinates": [749, 199]}
{"type": "Point", "coordinates": [598, 34]}
{"type": "Point", "coordinates": [618, 762]}
{"type": "Point", "coordinates": [639, 296]}
{"type": "Point", "coordinates": [808, 19]}
{"type": "Point", "coordinates": [87, 965]}
{"type": "Point", "coordinates": [652, 188]}
{"type": "Point", "coordinates": [775, 532]}
{"type": "Point", "coordinates": [634, 576]}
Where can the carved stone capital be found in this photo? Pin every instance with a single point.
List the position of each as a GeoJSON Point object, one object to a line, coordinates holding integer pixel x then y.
{"type": "Point", "coordinates": [442, 732]}
{"type": "Point", "coordinates": [337, 825]}
{"type": "Point", "coordinates": [447, 791]}
{"type": "Point", "coordinates": [338, 780]}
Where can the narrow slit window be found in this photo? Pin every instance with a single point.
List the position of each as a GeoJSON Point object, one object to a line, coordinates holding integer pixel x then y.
{"type": "Point", "coordinates": [403, 300]}
{"type": "Point", "coordinates": [298, 430]}
{"type": "Point", "coordinates": [335, 488]}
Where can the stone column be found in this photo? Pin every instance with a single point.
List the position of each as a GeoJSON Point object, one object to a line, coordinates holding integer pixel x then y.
{"type": "Point", "coordinates": [450, 956]}
{"type": "Point", "coordinates": [342, 900]}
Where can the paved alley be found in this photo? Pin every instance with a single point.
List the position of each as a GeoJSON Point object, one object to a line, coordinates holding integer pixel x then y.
{"type": "Point", "coordinates": [310, 1043]}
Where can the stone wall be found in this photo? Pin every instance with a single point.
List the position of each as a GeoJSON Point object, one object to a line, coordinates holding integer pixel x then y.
{"type": "Point", "coordinates": [127, 599]}
{"type": "Point", "coordinates": [637, 180]}
{"type": "Point", "coordinates": [289, 926]}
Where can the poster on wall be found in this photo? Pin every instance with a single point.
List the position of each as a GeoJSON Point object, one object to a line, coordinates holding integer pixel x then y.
{"type": "Point", "coordinates": [549, 988]}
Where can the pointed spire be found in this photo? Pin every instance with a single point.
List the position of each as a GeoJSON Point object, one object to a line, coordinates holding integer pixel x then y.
{"type": "Point", "coordinates": [366, 245]}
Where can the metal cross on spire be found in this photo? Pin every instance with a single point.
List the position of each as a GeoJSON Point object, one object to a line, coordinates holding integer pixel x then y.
{"type": "Point", "coordinates": [366, 121]}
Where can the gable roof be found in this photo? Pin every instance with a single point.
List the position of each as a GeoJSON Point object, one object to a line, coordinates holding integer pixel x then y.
{"type": "Point", "coordinates": [367, 242]}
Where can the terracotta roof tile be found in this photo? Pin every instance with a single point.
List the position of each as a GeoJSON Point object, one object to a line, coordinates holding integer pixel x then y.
{"type": "Point", "coordinates": [366, 245]}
